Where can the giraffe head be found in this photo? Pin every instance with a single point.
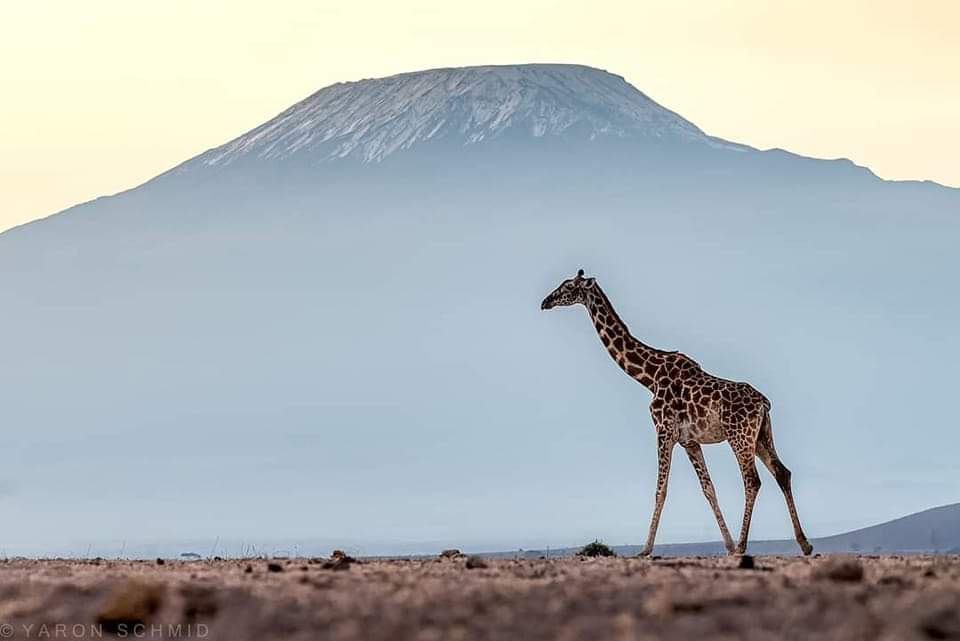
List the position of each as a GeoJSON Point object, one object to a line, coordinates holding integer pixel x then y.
{"type": "Point", "coordinates": [570, 292]}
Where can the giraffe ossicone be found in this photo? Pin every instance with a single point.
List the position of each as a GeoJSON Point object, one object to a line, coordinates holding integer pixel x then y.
{"type": "Point", "coordinates": [689, 407]}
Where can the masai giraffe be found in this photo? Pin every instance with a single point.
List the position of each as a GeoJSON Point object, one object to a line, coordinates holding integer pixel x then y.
{"type": "Point", "coordinates": [689, 407]}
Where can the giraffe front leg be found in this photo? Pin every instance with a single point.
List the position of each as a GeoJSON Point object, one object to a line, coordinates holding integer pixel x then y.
{"type": "Point", "coordinates": [664, 454]}
{"type": "Point", "coordinates": [695, 453]}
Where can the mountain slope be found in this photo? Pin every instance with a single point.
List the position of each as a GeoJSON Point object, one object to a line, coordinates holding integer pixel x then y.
{"type": "Point", "coordinates": [339, 310]}
{"type": "Point", "coordinates": [932, 531]}
{"type": "Point", "coordinates": [936, 530]}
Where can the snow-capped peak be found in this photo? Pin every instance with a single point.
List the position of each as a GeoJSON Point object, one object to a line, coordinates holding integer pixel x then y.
{"type": "Point", "coordinates": [371, 119]}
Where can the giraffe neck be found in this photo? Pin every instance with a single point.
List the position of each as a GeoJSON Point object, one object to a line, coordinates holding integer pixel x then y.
{"type": "Point", "coordinates": [638, 360]}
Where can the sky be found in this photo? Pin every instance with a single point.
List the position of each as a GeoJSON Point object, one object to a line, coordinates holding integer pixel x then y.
{"type": "Point", "coordinates": [102, 95]}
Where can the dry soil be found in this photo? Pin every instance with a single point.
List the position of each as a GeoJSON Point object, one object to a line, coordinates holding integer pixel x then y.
{"type": "Point", "coordinates": [889, 598]}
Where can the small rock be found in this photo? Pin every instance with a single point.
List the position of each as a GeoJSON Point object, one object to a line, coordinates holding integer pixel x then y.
{"type": "Point", "coordinates": [131, 603]}
{"type": "Point", "coordinates": [941, 624]}
{"type": "Point", "coordinates": [338, 563]}
{"type": "Point", "coordinates": [844, 570]}
{"type": "Point", "coordinates": [274, 567]}
{"type": "Point", "coordinates": [199, 603]}
{"type": "Point", "coordinates": [160, 561]}
{"type": "Point", "coordinates": [660, 603]}
{"type": "Point", "coordinates": [475, 562]}
{"type": "Point", "coordinates": [248, 569]}
{"type": "Point", "coordinates": [746, 562]}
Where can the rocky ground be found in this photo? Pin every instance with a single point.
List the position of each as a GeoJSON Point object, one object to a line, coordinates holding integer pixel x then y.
{"type": "Point", "coordinates": [461, 598]}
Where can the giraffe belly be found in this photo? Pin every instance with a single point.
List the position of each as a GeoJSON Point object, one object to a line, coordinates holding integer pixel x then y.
{"type": "Point", "coordinates": [703, 432]}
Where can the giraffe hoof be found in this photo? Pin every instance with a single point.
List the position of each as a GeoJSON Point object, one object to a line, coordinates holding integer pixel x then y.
{"type": "Point", "coordinates": [644, 552]}
{"type": "Point", "coordinates": [807, 548]}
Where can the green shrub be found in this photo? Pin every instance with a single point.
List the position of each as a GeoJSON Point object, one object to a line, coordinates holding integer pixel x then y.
{"type": "Point", "coordinates": [597, 548]}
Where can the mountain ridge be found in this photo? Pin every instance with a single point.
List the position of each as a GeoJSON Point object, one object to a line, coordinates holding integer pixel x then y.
{"type": "Point", "coordinates": [228, 152]}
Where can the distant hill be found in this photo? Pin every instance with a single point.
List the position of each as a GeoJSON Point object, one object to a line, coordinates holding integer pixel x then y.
{"type": "Point", "coordinates": [933, 531]}
{"type": "Point", "coordinates": [358, 281]}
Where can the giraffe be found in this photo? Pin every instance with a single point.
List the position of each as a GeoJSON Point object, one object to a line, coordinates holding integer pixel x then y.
{"type": "Point", "coordinates": [689, 407]}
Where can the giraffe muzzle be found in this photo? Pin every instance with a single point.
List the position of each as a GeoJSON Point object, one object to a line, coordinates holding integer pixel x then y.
{"type": "Point", "coordinates": [546, 304]}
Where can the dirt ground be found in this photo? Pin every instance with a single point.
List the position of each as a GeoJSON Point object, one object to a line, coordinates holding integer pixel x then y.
{"type": "Point", "coordinates": [889, 598]}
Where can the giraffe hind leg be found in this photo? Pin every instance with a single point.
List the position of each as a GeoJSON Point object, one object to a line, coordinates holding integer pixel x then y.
{"type": "Point", "coordinates": [768, 454]}
{"type": "Point", "coordinates": [751, 486]}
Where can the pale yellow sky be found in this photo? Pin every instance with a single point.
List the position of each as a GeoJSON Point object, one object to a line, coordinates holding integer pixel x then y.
{"type": "Point", "coordinates": [101, 95]}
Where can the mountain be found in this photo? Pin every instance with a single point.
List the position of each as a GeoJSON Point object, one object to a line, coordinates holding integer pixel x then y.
{"type": "Point", "coordinates": [330, 325]}
{"type": "Point", "coordinates": [372, 119]}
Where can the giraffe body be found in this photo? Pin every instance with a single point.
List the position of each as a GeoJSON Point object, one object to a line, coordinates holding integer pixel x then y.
{"type": "Point", "coordinates": [690, 407]}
